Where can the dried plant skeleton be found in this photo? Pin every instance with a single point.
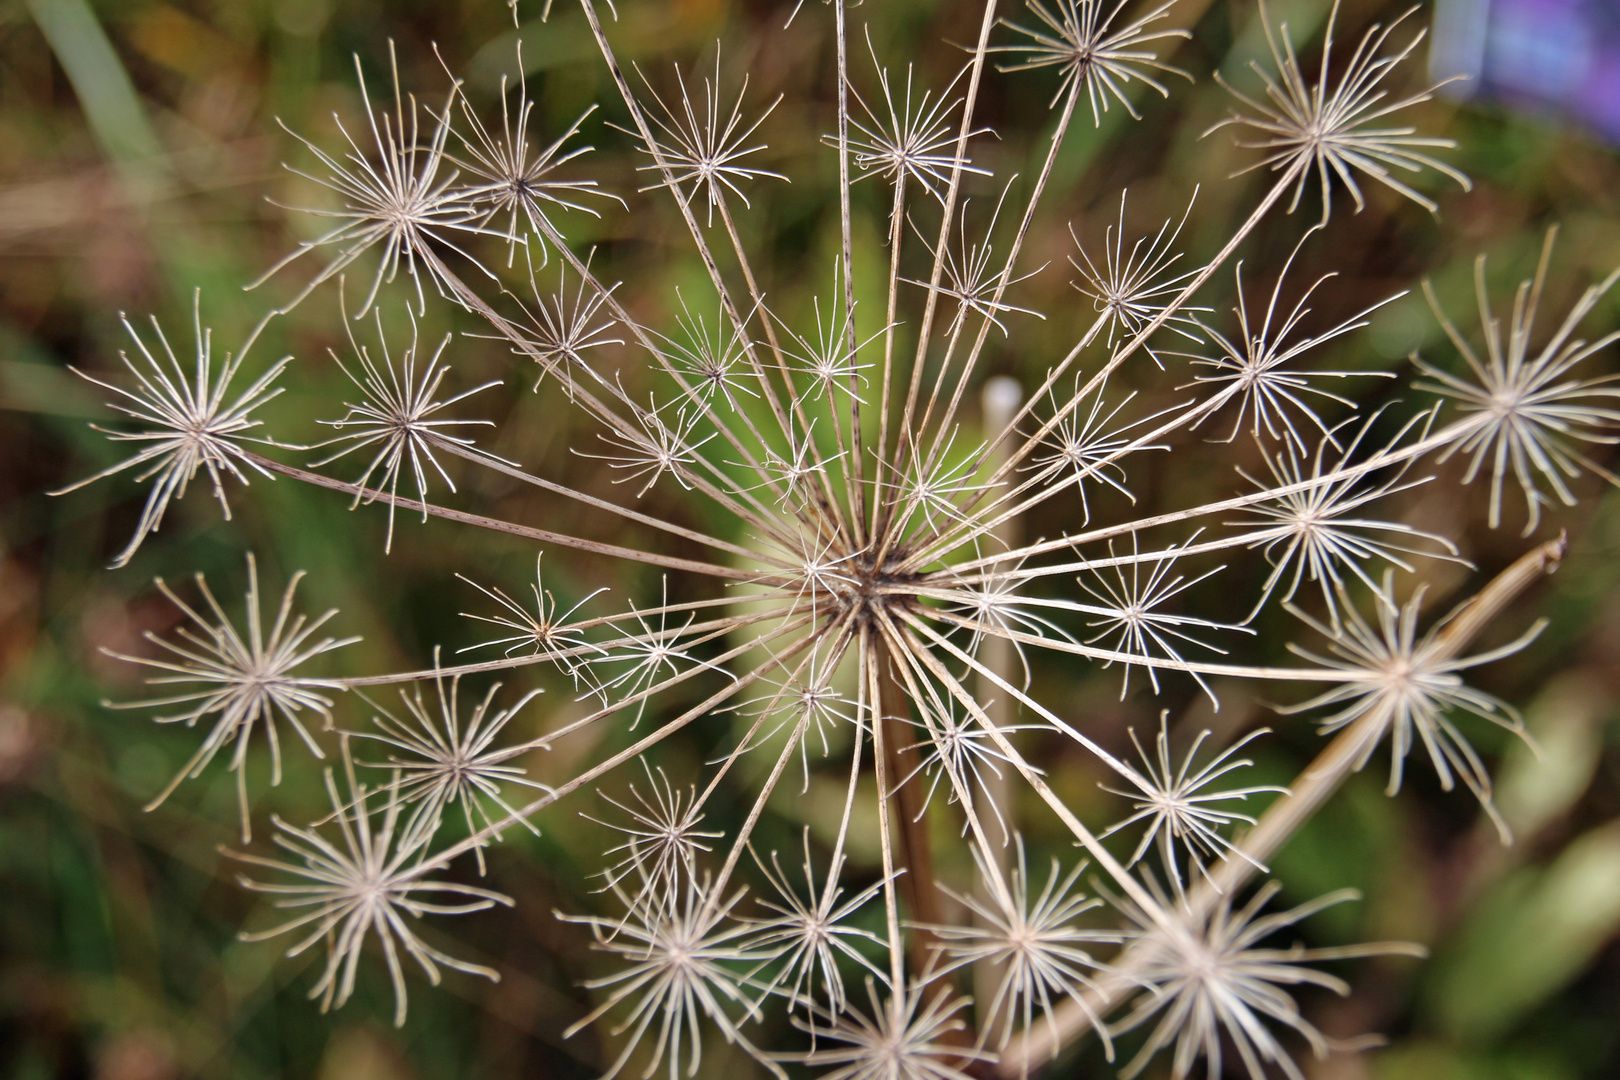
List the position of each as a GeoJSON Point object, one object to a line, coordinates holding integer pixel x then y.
{"type": "Point", "coordinates": [851, 595]}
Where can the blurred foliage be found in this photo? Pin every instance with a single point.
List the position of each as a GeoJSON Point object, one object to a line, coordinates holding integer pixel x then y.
{"type": "Point", "coordinates": [142, 162]}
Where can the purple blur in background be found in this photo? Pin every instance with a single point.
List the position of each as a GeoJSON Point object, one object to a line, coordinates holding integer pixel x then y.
{"type": "Point", "coordinates": [1560, 56]}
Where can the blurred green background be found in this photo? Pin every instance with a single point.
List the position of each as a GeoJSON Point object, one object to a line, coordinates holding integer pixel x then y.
{"type": "Point", "coordinates": [141, 161]}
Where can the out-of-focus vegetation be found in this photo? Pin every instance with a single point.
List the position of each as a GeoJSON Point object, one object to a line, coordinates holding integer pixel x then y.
{"type": "Point", "coordinates": [141, 161]}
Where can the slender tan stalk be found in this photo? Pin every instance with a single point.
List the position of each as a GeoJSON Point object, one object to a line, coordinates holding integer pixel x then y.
{"type": "Point", "coordinates": [1314, 785]}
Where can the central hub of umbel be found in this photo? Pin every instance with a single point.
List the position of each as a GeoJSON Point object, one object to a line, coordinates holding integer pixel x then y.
{"type": "Point", "coordinates": [860, 583]}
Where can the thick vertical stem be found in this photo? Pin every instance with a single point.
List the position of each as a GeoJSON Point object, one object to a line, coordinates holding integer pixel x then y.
{"type": "Point", "coordinates": [917, 884]}
{"type": "Point", "coordinates": [873, 660]}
